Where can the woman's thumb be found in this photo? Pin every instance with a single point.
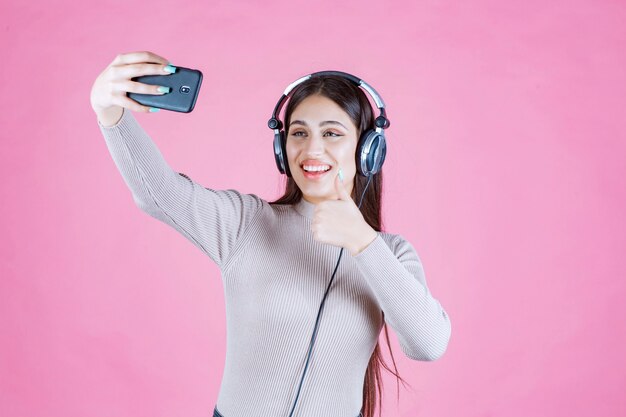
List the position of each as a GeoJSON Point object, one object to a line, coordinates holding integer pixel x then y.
{"type": "Point", "coordinates": [341, 189]}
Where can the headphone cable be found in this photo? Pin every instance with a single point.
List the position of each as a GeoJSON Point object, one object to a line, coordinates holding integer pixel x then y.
{"type": "Point", "coordinates": [321, 308]}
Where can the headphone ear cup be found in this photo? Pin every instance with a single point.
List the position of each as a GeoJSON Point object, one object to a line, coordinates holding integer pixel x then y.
{"type": "Point", "coordinates": [283, 144]}
{"type": "Point", "coordinates": [381, 153]}
{"type": "Point", "coordinates": [371, 153]}
{"type": "Point", "coordinates": [280, 153]}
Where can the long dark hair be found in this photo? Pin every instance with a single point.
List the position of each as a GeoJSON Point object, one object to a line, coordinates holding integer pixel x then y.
{"type": "Point", "coordinates": [356, 104]}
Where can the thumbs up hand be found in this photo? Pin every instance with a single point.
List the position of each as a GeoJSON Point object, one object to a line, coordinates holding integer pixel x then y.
{"type": "Point", "coordinates": [340, 222]}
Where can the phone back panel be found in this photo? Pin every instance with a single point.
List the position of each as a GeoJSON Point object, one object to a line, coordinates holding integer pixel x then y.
{"type": "Point", "coordinates": [184, 84]}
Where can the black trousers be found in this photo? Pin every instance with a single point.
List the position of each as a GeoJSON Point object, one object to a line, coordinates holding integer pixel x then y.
{"type": "Point", "coordinates": [218, 414]}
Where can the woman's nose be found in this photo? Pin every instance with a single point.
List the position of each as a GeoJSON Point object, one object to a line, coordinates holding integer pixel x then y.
{"type": "Point", "coordinates": [315, 145]}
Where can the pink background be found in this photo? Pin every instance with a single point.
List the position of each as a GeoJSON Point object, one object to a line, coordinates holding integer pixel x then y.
{"type": "Point", "coordinates": [505, 170]}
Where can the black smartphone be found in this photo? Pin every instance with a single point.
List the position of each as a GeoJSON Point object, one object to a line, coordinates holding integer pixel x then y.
{"type": "Point", "coordinates": [184, 86]}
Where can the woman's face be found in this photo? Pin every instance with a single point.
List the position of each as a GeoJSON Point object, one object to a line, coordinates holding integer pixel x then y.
{"type": "Point", "coordinates": [321, 136]}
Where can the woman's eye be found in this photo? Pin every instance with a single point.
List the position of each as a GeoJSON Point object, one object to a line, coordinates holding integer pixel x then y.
{"type": "Point", "coordinates": [301, 133]}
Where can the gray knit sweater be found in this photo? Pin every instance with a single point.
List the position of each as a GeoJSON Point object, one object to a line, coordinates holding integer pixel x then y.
{"type": "Point", "coordinates": [274, 276]}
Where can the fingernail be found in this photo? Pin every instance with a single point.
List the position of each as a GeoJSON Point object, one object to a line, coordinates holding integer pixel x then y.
{"type": "Point", "coordinates": [170, 68]}
{"type": "Point", "coordinates": [340, 175]}
{"type": "Point", "coordinates": [163, 89]}
{"type": "Point", "coordinates": [154, 109]}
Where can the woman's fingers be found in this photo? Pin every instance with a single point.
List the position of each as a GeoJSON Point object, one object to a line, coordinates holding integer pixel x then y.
{"type": "Point", "coordinates": [141, 88]}
{"type": "Point", "coordinates": [137, 57]}
{"type": "Point", "coordinates": [124, 101]}
{"type": "Point", "coordinates": [136, 70]}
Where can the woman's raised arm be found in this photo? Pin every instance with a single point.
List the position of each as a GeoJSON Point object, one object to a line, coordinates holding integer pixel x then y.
{"type": "Point", "coordinates": [213, 220]}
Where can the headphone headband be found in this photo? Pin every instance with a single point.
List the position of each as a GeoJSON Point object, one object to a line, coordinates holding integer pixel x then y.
{"type": "Point", "coordinates": [381, 121]}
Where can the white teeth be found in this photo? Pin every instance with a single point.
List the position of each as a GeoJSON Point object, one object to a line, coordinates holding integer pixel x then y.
{"type": "Point", "coordinates": [316, 168]}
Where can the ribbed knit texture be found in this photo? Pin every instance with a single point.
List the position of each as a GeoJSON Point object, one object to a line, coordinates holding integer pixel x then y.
{"type": "Point", "coordinates": [274, 276]}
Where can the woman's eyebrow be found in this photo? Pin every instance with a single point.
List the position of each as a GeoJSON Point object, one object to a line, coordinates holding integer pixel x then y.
{"type": "Point", "coordinates": [326, 122]}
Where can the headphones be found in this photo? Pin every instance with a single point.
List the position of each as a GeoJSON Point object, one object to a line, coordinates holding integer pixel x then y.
{"type": "Point", "coordinates": [371, 148]}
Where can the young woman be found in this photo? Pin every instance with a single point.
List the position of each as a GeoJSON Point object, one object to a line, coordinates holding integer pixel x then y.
{"type": "Point", "coordinates": [303, 321]}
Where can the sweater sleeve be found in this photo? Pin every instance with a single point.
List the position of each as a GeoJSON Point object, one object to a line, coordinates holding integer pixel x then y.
{"type": "Point", "coordinates": [212, 220]}
{"type": "Point", "coordinates": [397, 280]}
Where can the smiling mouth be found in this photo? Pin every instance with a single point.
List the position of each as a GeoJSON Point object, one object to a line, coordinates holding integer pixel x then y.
{"type": "Point", "coordinates": [315, 171]}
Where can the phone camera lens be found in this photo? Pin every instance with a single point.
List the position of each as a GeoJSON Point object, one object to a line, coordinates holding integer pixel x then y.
{"type": "Point", "coordinates": [185, 89]}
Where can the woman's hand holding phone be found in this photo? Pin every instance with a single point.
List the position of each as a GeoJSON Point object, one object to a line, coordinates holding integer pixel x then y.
{"type": "Point", "coordinates": [108, 93]}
